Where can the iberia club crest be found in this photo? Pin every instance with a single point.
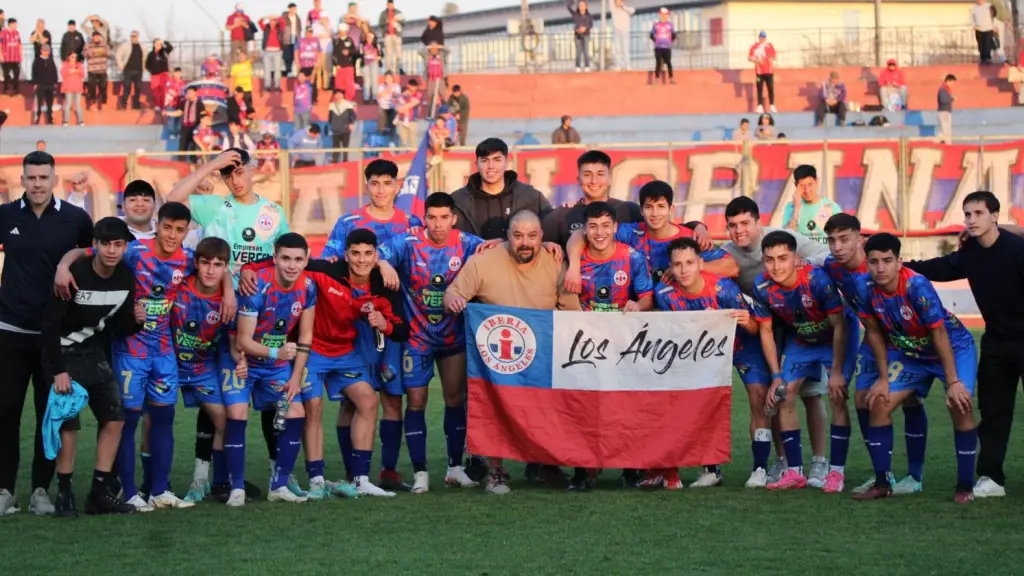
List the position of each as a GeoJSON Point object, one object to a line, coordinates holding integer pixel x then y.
{"type": "Point", "coordinates": [506, 344]}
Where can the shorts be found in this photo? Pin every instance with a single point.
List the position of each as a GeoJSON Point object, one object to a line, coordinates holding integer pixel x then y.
{"type": "Point", "coordinates": [204, 388]}
{"type": "Point", "coordinates": [806, 361]}
{"type": "Point", "coordinates": [265, 385]}
{"type": "Point", "coordinates": [89, 367]}
{"type": "Point", "coordinates": [813, 386]}
{"type": "Point", "coordinates": [334, 374]}
{"type": "Point", "coordinates": [418, 365]}
{"type": "Point", "coordinates": [908, 373]}
{"type": "Point", "coordinates": [387, 375]}
{"type": "Point", "coordinates": [153, 380]}
{"type": "Point", "coordinates": [752, 368]}
{"type": "Point", "coordinates": [867, 369]}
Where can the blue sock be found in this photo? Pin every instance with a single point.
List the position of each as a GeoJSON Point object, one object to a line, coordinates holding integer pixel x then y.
{"type": "Point", "coordinates": [361, 462]}
{"type": "Point", "coordinates": [761, 447]}
{"type": "Point", "coordinates": [161, 446]}
{"type": "Point", "coordinates": [126, 453]}
{"type": "Point", "coordinates": [289, 441]}
{"type": "Point", "coordinates": [345, 444]}
{"type": "Point", "coordinates": [416, 438]}
{"type": "Point", "coordinates": [390, 443]}
{"type": "Point", "coordinates": [880, 445]}
{"type": "Point", "coordinates": [314, 468]}
{"type": "Point", "coordinates": [455, 433]}
{"type": "Point", "coordinates": [147, 472]}
{"type": "Point", "coordinates": [840, 446]}
{"type": "Point", "coordinates": [234, 452]}
{"type": "Point", "coordinates": [966, 442]}
{"type": "Point", "coordinates": [864, 419]}
{"type": "Point", "coordinates": [220, 468]}
{"type": "Point", "coordinates": [916, 432]}
{"type": "Point", "coordinates": [794, 451]}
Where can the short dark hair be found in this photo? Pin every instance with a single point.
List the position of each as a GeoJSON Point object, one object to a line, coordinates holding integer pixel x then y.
{"type": "Point", "coordinates": [656, 190]}
{"type": "Point", "coordinates": [380, 167]}
{"type": "Point", "coordinates": [177, 69]}
{"type": "Point", "coordinates": [950, 78]}
{"type": "Point", "coordinates": [190, 89]}
{"type": "Point", "coordinates": [457, 88]}
{"type": "Point", "coordinates": [414, 82]}
{"type": "Point", "coordinates": [439, 200]}
{"type": "Point", "coordinates": [742, 205]}
{"type": "Point", "coordinates": [744, 121]}
{"type": "Point", "coordinates": [213, 247]}
{"type": "Point", "coordinates": [990, 200]}
{"type": "Point", "coordinates": [883, 242]}
{"type": "Point", "coordinates": [804, 171]}
{"type": "Point", "coordinates": [291, 240]}
{"type": "Point", "coordinates": [684, 244]}
{"type": "Point", "coordinates": [360, 236]}
{"type": "Point", "coordinates": [314, 128]}
{"type": "Point", "coordinates": [38, 158]}
{"type": "Point", "coordinates": [842, 221]}
{"type": "Point", "coordinates": [110, 229]}
{"type": "Point", "coordinates": [594, 157]}
{"type": "Point", "coordinates": [229, 170]}
{"type": "Point", "coordinates": [778, 238]}
{"type": "Point", "coordinates": [491, 146]}
{"type": "Point", "coordinates": [12, 20]}
{"type": "Point", "coordinates": [139, 188]}
{"type": "Point", "coordinates": [599, 210]}
{"type": "Point", "coordinates": [174, 211]}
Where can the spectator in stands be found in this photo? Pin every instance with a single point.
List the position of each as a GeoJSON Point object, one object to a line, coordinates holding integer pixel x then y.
{"type": "Point", "coordinates": [582, 24]}
{"type": "Point", "coordinates": [565, 133]}
{"type": "Point", "coordinates": [808, 212]}
{"type": "Point", "coordinates": [435, 76]}
{"type": "Point", "coordinates": [663, 33]}
{"type": "Point", "coordinates": [742, 134]}
{"type": "Point", "coordinates": [324, 72]}
{"type": "Point", "coordinates": [983, 23]}
{"type": "Point", "coordinates": [173, 94]}
{"type": "Point", "coordinates": [303, 103]}
{"type": "Point", "coordinates": [622, 24]}
{"type": "Point", "coordinates": [266, 154]}
{"type": "Point", "coordinates": [211, 67]}
{"type": "Point", "coordinates": [782, 136]}
{"type": "Point", "coordinates": [762, 54]}
{"type": "Point", "coordinates": [10, 63]}
{"type": "Point", "coordinates": [41, 145]}
{"type": "Point", "coordinates": [892, 87]}
{"type": "Point", "coordinates": [159, 68]}
{"type": "Point", "coordinates": [97, 53]}
{"type": "Point", "coordinates": [459, 104]}
{"type": "Point", "coordinates": [240, 108]}
{"type": "Point", "coordinates": [832, 98]}
{"type": "Point", "coordinates": [239, 27]}
{"type": "Point", "coordinates": [369, 55]}
{"type": "Point", "coordinates": [765, 127]}
{"type": "Point", "coordinates": [40, 37]}
{"type": "Point", "coordinates": [345, 54]}
{"type": "Point", "coordinates": [191, 111]}
{"type": "Point", "coordinates": [292, 25]}
{"type": "Point", "coordinates": [273, 59]}
{"type": "Point", "coordinates": [309, 54]}
{"type": "Point", "coordinates": [44, 76]}
{"type": "Point", "coordinates": [433, 33]}
{"type": "Point", "coordinates": [389, 93]}
{"type": "Point", "coordinates": [241, 74]}
{"type": "Point", "coordinates": [945, 101]}
{"type": "Point", "coordinates": [525, 139]}
{"type": "Point", "coordinates": [355, 23]}
{"type": "Point", "coordinates": [94, 24]}
{"type": "Point", "coordinates": [129, 59]}
{"type": "Point", "coordinates": [206, 139]}
{"type": "Point", "coordinates": [72, 43]}
{"type": "Point", "coordinates": [72, 85]}
{"type": "Point", "coordinates": [391, 23]}
{"type": "Point", "coordinates": [308, 139]}
{"type": "Point", "coordinates": [407, 113]}
{"type": "Point", "coordinates": [237, 138]}
{"type": "Point", "coordinates": [341, 117]}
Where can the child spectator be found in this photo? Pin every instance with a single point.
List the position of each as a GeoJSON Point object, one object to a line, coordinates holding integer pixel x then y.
{"type": "Point", "coordinates": [303, 104]}
{"type": "Point", "coordinates": [73, 85]}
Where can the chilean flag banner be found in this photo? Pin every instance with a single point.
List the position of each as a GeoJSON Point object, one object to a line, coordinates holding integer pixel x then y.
{"type": "Point", "coordinates": [600, 389]}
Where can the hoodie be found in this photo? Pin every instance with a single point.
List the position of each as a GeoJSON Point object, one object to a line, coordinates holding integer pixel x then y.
{"type": "Point", "coordinates": [341, 115]}
{"type": "Point", "coordinates": [486, 215]}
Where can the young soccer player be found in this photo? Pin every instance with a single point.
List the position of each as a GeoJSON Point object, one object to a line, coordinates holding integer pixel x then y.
{"type": "Point", "coordinates": [688, 286]}
{"type": "Point", "coordinates": [824, 336]}
{"type": "Point", "coordinates": [922, 341]}
{"type": "Point", "coordinates": [846, 266]}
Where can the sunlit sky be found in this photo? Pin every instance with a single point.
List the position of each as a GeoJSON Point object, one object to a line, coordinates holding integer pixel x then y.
{"type": "Point", "coordinates": [184, 20]}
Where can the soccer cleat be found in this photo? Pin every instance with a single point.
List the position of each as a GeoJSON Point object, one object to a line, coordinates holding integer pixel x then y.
{"type": "Point", "coordinates": [672, 480]}
{"type": "Point", "coordinates": [283, 494]}
{"type": "Point", "coordinates": [197, 491]}
{"type": "Point", "coordinates": [107, 502]}
{"type": "Point", "coordinates": [816, 474]}
{"type": "Point", "coordinates": [963, 496]}
{"type": "Point", "coordinates": [169, 500]}
{"type": "Point", "coordinates": [220, 492]}
{"type": "Point", "coordinates": [580, 481]}
{"type": "Point", "coordinates": [908, 485]}
{"type": "Point", "coordinates": [366, 488]}
{"type": "Point", "coordinates": [459, 478]}
{"type": "Point", "coordinates": [40, 504]}
{"type": "Point", "coordinates": [654, 478]}
{"type": "Point", "coordinates": [497, 482]}
{"type": "Point", "coordinates": [834, 482]}
{"type": "Point", "coordinates": [988, 488]}
{"type": "Point", "coordinates": [65, 507]}
{"type": "Point", "coordinates": [791, 480]}
{"type": "Point", "coordinates": [140, 504]}
{"type": "Point", "coordinates": [421, 482]}
{"type": "Point", "coordinates": [758, 479]}
{"type": "Point", "coordinates": [777, 469]}
{"type": "Point", "coordinates": [476, 468]}
{"type": "Point", "coordinates": [343, 489]}
{"type": "Point", "coordinates": [8, 503]}
{"type": "Point", "coordinates": [630, 478]}
{"type": "Point", "coordinates": [876, 492]}
{"type": "Point", "coordinates": [392, 480]}
{"type": "Point", "coordinates": [552, 476]}
{"type": "Point", "coordinates": [236, 499]}
{"type": "Point", "coordinates": [707, 479]}
{"type": "Point", "coordinates": [870, 482]}
{"type": "Point", "coordinates": [293, 485]}
{"type": "Point", "coordinates": [318, 490]}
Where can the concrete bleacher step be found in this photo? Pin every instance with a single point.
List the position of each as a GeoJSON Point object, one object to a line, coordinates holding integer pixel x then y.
{"type": "Point", "coordinates": [82, 139]}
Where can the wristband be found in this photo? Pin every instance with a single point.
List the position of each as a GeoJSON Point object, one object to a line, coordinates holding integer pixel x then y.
{"type": "Point", "coordinates": [273, 354]}
{"type": "Point", "coordinates": [776, 375]}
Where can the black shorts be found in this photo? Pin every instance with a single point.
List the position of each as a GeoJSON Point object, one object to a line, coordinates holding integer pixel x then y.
{"type": "Point", "coordinates": [90, 367]}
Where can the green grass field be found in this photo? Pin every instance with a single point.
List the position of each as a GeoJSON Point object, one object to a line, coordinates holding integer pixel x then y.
{"type": "Point", "coordinates": [536, 530]}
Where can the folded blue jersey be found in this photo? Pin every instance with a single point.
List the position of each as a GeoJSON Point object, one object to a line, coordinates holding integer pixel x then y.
{"type": "Point", "coordinates": [59, 408]}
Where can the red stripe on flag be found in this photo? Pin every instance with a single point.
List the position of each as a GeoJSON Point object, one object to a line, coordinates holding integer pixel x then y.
{"type": "Point", "coordinates": [600, 429]}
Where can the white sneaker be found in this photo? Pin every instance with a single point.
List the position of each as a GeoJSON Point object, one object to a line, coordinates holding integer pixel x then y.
{"type": "Point", "coordinates": [421, 483]}
{"type": "Point", "coordinates": [758, 479]}
{"type": "Point", "coordinates": [816, 474]}
{"type": "Point", "coordinates": [578, 70]}
{"type": "Point", "coordinates": [237, 498]}
{"type": "Point", "coordinates": [169, 500]}
{"type": "Point", "coordinates": [366, 488]}
{"type": "Point", "coordinates": [773, 109]}
{"type": "Point", "coordinates": [587, 69]}
{"type": "Point", "coordinates": [8, 503]}
{"type": "Point", "coordinates": [140, 504]}
{"type": "Point", "coordinates": [497, 484]}
{"type": "Point", "coordinates": [706, 480]}
{"type": "Point", "coordinates": [40, 503]}
{"type": "Point", "coordinates": [457, 477]}
{"type": "Point", "coordinates": [283, 494]}
{"type": "Point", "coordinates": [759, 109]}
{"type": "Point", "coordinates": [987, 488]}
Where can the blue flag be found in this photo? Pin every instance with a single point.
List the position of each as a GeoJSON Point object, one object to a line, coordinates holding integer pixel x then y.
{"type": "Point", "coordinates": [414, 191]}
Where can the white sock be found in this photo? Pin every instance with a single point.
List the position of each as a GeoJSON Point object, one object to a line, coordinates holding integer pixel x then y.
{"type": "Point", "coordinates": [840, 469]}
{"type": "Point", "coordinates": [362, 479]}
{"type": "Point", "coordinates": [819, 459]}
{"type": "Point", "coordinates": [202, 471]}
{"type": "Point", "coordinates": [316, 479]}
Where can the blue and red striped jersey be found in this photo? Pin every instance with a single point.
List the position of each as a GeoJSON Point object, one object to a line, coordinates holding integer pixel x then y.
{"type": "Point", "coordinates": [197, 329]}
{"type": "Point", "coordinates": [908, 316]}
{"type": "Point", "coordinates": [398, 225]}
{"type": "Point", "coordinates": [718, 294]}
{"type": "Point", "coordinates": [608, 284]}
{"type": "Point", "coordinates": [277, 310]}
{"type": "Point", "coordinates": [656, 249]}
{"type": "Point", "coordinates": [156, 284]}
{"type": "Point", "coordinates": [426, 270]}
{"type": "Point", "coordinates": [805, 306]}
{"type": "Point", "coordinates": [847, 280]}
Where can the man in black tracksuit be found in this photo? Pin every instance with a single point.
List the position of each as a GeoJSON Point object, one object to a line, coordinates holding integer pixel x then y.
{"type": "Point", "coordinates": [44, 76]}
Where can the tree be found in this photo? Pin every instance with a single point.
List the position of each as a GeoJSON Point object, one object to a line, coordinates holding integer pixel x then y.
{"type": "Point", "coordinates": [450, 9]}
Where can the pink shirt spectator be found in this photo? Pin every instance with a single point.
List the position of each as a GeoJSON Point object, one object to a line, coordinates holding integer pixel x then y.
{"type": "Point", "coordinates": [173, 91]}
{"type": "Point", "coordinates": [303, 97]}
{"type": "Point", "coordinates": [10, 45]}
{"type": "Point", "coordinates": [309, 51]}
{"type": "Point", "coordinates": [211, 68]}
{"type": "Point", "coordinates": [435, 67]}
{"type": "Point", "coordinates": [72, 78]}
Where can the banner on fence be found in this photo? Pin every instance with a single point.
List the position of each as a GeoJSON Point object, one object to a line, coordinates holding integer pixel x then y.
{"type": "Point", "coordinates": [648, 390]}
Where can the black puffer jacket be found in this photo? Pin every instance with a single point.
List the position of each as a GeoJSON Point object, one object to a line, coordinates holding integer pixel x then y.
{"type": "Point", "coordinates": [486, 215]}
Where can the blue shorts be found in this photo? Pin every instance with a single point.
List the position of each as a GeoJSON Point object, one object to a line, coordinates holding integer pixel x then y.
{"type": "Point", "coordinates": [141, 380]}
{"type": "Point", "coordinates": [867, 369]}
{"type": "Point", "coordinates": [198, 390]}
{"type": "Point", "coordinates": [418, 365]}
{"type": "Point", "coordinates": [752, 368]}
{"type": "Point", "coordinates": [265, 385]}
{"type": "Point", "coordinates": [386, 376]}
{"type": "Point", "coordinates": [907, 373]}
{"type": "Point", "coordinates": [801, 360]}
{"type": "Point", "coordinates": [335, 374]}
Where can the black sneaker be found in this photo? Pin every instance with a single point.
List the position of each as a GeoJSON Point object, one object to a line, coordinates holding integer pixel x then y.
{"type": "Point", "coordinates": [65, 506]}
{"type": "Point", "coordinates": [580, 481]}
{"type": "Point", "coordinates": [531, 471]}
{"type": "Point", "coordinates": [630, 478]}
{"type": "Point", "coordinates": [220, 492]}
{"type": "Point", "coordinates": [106, 502]}
{"type": "Point", "coordinates": [476, 468]}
